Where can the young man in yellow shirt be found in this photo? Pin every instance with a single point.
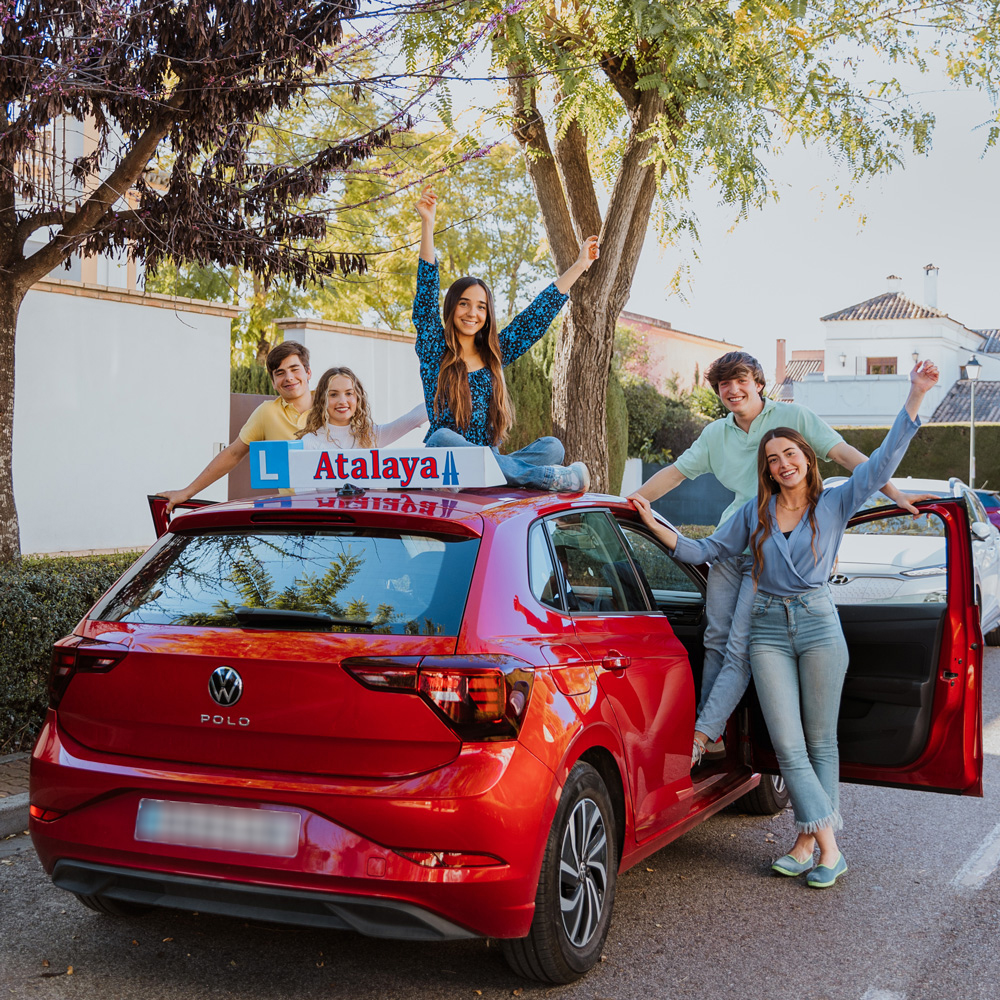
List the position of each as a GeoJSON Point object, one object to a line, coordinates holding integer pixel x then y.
{"type": "Point", "coordinates": [276, 420]}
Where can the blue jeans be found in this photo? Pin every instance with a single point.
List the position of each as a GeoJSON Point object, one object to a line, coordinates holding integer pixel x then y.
{"type": "Point", "coordinates": [532, 465]}
{"type": "Point", "coordinates": [798, 656]}
{"type": "Point", "coordinates": [726, 673]}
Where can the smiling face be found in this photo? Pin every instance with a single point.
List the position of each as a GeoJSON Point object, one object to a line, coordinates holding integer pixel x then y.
{"type": "Point", "coordinates": [471, 311]}
{"type": "Point", "coordinates": [341, 400]}
{"type": "Point", "coordinates": [786, 463]}
{"type": "Point", "coordinates": [291, 378]}
{"type": "Point", "coordinates": [741, 395]}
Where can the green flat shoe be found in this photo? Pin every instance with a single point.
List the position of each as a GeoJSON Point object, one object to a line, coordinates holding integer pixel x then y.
{"type": "Point", "coordinates": [823, 876]}
{"type": "Point", "coordinates": [789, 865]}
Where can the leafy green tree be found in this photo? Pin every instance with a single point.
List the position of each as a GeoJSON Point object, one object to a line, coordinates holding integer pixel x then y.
{"type": "Point", "coordinates": [638, 99]}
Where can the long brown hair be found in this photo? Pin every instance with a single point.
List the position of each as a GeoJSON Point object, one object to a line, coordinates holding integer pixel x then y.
{"type": "Point", "coordinates": [453, 378]}
{"type": "Point", "coordinates": [767, 488]}
{"type": "Point", "coordinates": [361, 423]}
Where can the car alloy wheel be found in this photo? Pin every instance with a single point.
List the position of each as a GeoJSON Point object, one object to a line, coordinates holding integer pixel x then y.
{"type": "Point", "coordinates": [583, 872]}
{"type": "Point", "coordinates": [576, 885]}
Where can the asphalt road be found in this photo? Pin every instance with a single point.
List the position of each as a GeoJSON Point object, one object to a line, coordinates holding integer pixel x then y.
{"type": "Point", "coordinates": [916, 918]}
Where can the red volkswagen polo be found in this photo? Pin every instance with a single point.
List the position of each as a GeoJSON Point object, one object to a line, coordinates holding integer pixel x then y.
{"type": "Point", "coordinates": [438, 715]}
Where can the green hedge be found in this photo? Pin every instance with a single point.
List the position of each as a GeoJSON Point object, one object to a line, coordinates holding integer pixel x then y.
{"type": "Point", "coordinates": [253, 379]}
{"type": "Point", "coordinates": [42, 600]}
{"type": "Point", "coordinates": [939, 451]}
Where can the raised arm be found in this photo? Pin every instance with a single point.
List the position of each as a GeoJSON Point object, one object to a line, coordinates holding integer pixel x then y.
{"type": "Point", "coordinates": [427, 210]}
{"type": "Point", "coordinates": [868, 477]}
{"type": "Point", "coordinates": [589, 252]}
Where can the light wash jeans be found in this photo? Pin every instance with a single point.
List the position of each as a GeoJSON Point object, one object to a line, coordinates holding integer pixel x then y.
{"type": "Point", "coordinates": [533, 465]}
{"type": "Point", "coordinates": [726, 673]}
{"type": "Point", "coordinates": [798, 656]}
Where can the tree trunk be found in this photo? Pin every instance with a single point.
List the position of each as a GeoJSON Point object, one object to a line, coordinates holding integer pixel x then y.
{"type": "Point", "coordinates": [10, 536]}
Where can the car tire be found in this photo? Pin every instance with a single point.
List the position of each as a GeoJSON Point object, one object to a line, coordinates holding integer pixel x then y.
{"type": "Point", "coordinates": [992, 638]}
{"type": "Point", "coordinates": [768, 798]}
{"type": "Point", "coordinates": [112, 907]}
{"type": "Point", "coordinates": [572, 914]}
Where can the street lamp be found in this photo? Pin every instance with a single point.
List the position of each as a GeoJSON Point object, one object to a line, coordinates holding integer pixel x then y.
{"type": "Point", "coordinates": [970, 371]}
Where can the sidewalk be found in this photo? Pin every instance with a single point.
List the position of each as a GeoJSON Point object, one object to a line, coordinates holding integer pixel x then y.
{"type": "Point", "coordinates": [14, 793]}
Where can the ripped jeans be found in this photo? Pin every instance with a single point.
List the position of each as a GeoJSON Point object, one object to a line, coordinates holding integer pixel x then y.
{"type": "Point", "coordinates": [798, 657]}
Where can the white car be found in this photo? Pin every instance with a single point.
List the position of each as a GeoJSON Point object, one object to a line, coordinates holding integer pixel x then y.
{"type": "Point", "coordinates": [901, 560]}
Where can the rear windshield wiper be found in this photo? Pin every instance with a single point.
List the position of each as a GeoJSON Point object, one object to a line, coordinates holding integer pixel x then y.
{"type": "Point", "coordinates": [281, 618]}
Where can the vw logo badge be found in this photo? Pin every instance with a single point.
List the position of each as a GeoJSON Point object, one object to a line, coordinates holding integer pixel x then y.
{"type": "Point", "coordinates": [225, 686]}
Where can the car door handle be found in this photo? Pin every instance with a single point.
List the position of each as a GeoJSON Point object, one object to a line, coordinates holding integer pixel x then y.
{"type": "Point", "coordinates": [615, 661]}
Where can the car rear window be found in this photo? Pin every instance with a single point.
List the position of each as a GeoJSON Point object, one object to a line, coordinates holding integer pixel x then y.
{"type": "Point", "coordinates": [334, 580]}
{"type": "Point", "coordinates": [990, 502]}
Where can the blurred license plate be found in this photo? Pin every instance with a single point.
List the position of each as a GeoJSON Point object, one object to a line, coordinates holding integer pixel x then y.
{"type": "Point", "coordinates": [223, 828]}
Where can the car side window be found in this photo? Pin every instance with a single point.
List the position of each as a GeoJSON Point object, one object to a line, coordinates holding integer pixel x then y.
{"type": "Point", "coordinates": [666, 578]}
{"type": "Point", "coordinates": [595, 567]}
{"type": "Point", "coordinates": [541, 570]}
{"type": "Point", "coordinates": [976, 509]}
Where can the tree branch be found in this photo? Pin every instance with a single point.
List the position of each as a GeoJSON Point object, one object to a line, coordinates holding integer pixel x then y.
{"type": "Point", "coordinates": [574, 169]}
{"type": "Point", "coordinates": [531, 135]}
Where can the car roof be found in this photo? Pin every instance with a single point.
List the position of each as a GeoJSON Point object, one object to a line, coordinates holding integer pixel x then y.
{"type": "Point", "coordinates": [455, 506]}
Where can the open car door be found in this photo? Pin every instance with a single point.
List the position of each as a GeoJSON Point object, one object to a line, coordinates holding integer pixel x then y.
{"type": "Point", "coordinates": [158, 510]}
{"type": "Point", "coordinates": [911, 709]}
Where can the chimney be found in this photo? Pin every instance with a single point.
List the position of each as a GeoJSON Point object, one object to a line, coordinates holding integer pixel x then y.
{"type": "Point", "coordinates": [894, 284]}
{"type": "Point", "coordinates": [930, 285]}
{"type": "Point", "coordinates": [779, 366]}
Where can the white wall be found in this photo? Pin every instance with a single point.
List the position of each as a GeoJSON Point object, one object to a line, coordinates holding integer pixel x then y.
{"type": "Point", "coordinates": [388, 368]}
{"type": "Point", "coordinates": [113, 400]}
{"type": "Point", "coordinates": [870, 400]}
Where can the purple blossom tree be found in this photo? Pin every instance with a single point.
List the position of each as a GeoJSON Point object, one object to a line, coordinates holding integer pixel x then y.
{"type": "Point", "coordinates": [171, 94]}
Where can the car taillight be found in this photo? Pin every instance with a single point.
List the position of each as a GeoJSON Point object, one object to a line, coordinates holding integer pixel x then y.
{"type": "Point", "coordinates": [75, 655]}
{"type": "Point", "coordinates": [481, 697]}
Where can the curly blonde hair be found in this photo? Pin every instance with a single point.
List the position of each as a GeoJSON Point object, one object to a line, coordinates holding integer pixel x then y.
{"type": "Point", "coordinates": [361, 423]}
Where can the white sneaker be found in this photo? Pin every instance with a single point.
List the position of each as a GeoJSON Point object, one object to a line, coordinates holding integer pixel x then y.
{"type": "Point", "coordinates": [573, 478]}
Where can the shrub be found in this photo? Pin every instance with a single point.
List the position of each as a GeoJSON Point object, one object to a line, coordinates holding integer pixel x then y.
{"type": "Point", "coordinates": [646, 411]}
{"type": "Point", "coordinates": [252, 379]}
{"type": "Point", "coordinates": [678, 430]}
{"type": "Point", "coordinates": [42, 600]}
{"type": "Point", "coordinates": [529, 382]}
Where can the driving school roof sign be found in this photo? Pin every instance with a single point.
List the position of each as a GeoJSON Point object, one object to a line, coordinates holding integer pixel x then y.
{"type": "Point", "coordinates": [286, 464]}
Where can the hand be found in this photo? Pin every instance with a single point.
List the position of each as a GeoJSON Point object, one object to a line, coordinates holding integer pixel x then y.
{"type": "Point", "coordinates": [427, 204]}
{"type": "Point", "coordinates": [174, 497]}
{"type": "Point", "coordinates": [924, 376]}
{"type": "Point", "coordinates": [589, 252]}
{"type": "Point", "coordinates": [645, 509]}
{"type": "Point", "coordinates": [907, 501]}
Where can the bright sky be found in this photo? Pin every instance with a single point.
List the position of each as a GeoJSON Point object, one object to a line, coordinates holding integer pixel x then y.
{"type": "Point", "coordinates": [779, 270]}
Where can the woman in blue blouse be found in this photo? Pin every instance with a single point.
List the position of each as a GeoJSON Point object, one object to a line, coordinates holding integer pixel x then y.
{"type": "Point", "coordinates": [798, 656]}
{"type": "Point", "coordinates": [462, 362]}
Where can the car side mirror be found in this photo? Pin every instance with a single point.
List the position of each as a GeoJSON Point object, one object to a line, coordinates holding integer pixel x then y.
{"type": "Point", "coordinates": [980, 531]}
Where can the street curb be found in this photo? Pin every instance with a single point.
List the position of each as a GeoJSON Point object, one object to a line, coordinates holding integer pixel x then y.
{"type": "Point", "coordinates": [13, 814]}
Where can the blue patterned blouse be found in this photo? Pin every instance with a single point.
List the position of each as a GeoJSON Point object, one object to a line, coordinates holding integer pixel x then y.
{"type": "Point", "coordinates": [523, 330]}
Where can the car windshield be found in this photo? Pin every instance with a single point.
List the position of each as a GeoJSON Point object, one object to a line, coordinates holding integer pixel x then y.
{"type": "Point", "coordinates": [343, 579]}
{"type": "Point", "coordinates": [905, 525]}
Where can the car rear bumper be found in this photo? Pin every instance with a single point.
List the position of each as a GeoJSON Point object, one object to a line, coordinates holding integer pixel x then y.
{"type": "Point", "coordinates": [373, 917]}
{"type": "Point", "coordinates": [347, 871]}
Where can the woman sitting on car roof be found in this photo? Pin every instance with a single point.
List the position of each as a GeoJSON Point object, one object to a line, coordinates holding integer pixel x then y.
{"type": "Point", "coordinates": [798, 655]}
{"type": "Point", "coordinates": [462, 361]}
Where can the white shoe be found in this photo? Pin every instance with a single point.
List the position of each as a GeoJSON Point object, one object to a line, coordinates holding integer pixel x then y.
{"type": "Point", "coordinates": [573, 478]}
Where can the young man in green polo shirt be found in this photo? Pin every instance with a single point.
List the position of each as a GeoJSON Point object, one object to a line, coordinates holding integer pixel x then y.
{"type": "Point", "coordinates": [727, 448]}
{"type": "Point", "coordinates": [277, 419]}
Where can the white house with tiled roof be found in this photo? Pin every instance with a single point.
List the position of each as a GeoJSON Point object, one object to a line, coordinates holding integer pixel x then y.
{"type": "Point", "coordinates": [870, 348]}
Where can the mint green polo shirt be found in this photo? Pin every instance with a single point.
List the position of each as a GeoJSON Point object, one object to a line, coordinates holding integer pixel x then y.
{"type": "Point", "coordinates": [730, 453]}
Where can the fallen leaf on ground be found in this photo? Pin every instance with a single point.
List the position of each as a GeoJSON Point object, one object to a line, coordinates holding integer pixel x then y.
{"type": "Point", "coordinates": [69, 970]}
{"type": "Point", "coordinates": [168, 939]}
{"type": "Point", "coordinates": [45, 963]}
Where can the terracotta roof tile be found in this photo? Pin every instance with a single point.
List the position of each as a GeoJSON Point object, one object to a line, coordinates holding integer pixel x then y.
{"type": "Point", "coordinates": [954, 408]}
{"type": "Point", "coordinates": [890, 305]}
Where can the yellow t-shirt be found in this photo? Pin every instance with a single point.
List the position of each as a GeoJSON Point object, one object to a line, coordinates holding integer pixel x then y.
{"type": "Point", "coordinates": [274, 420]}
